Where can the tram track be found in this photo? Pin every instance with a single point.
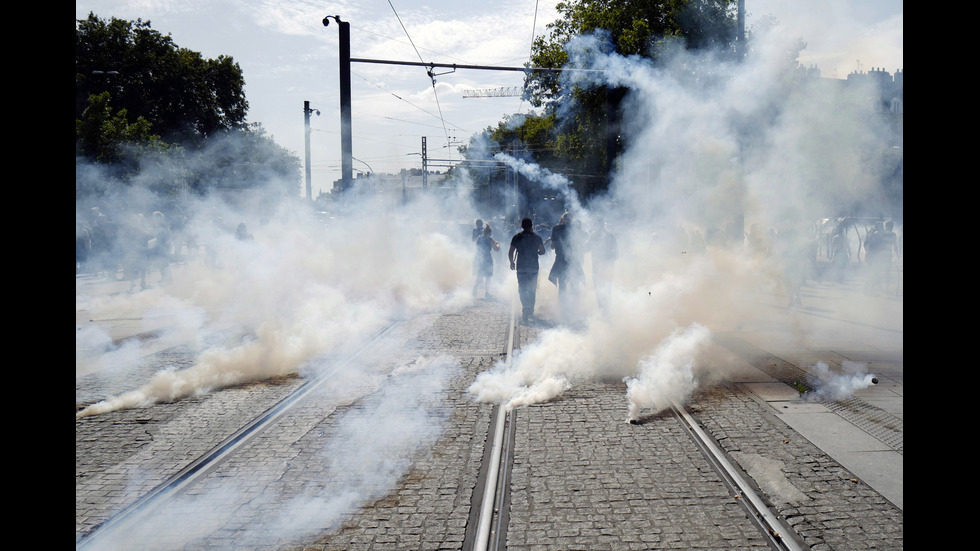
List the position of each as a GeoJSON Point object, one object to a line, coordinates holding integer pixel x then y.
{"type": "Point", "coordinates": [490, 532]}
{"type": "Point", "coordinates": [492, 536]}
{"type": "Point", "coordinates": [493, 501]}
{"type": "Point", "coordinates": [779, 535]}
{"type": "Point", "coordinates": [199, 468]}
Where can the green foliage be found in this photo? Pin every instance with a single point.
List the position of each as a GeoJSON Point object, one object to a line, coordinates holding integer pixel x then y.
{"type": "Point", "coordinates": [151, 113]}
{"type": "Point", "coordinates": [586, 137]}
{"type": "Point", "coordinates": [633, 27]}
{"type": "Point", "coordinates": [185, 97]}
{"type": "Point", "coordinates": [102, 134]}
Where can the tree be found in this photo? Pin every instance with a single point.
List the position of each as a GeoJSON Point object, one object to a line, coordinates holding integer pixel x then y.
{"type": "Point", "coordinates": [586, 137]}
{"type": "Point", "coordinates": [185, 97]}
{"type": "Point", "coordinates": [633, 27]}
{"type": "Point", "coordinates": [154, 115]}
{"type": "Point", "coordinates": [102, 134]}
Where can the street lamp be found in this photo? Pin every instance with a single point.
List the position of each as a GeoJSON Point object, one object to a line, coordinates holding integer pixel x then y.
{"type": "Point", "coordinates": [346, 161]}
{"type": "Point", "coordinates": [306, 120]}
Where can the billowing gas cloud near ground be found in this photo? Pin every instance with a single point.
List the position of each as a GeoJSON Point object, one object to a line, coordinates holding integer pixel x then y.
{"type": "Point", "coordinates": [299, 288]}
{"type": "Point", "coordinates": [713, 146]}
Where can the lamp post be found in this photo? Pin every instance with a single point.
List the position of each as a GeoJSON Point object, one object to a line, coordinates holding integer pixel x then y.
{"type": "Point", "coordinates": [346, 161]}
{"type": "Point", "coordinates": [306, 122]}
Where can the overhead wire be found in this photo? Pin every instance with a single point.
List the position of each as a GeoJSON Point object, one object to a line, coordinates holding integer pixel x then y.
{"type": "Point", "coordinates": [429, 72]}
{"type": "Point", "coordinates": [440, 115]}
{"type": "Point", "coordinates": [530, 54]}
{"type": "Point", "coordinates": [406, 101]}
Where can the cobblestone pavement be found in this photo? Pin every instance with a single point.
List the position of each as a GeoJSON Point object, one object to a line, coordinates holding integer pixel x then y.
{"type": "Point", "coordinates": [585, 479]}
{"type": "Point", "coordinates": [582, 477]}
{"type": "Point", "coordinates": [417, 492]}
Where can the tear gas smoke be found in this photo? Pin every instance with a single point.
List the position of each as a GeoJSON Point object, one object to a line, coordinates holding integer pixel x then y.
{"type": "Point", "coordinates": [366, 450]}
{"type": "Point", "coordinates": [668, 374]}
{"type": "Point", "coordinates": [711, 146]}
{"type": "Point", "coordinates": [299, 289]}
{"type": "Point", "coordinates": [832, 386]}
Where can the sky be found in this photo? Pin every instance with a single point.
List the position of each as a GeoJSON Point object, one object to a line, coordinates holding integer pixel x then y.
{"type": "Point", "coordinates": [288, 57]}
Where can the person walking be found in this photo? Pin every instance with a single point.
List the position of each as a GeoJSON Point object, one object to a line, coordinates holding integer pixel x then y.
{"type": "Point", "coordinates": [483, 263]}
{"type": "Point", "coordinates": [567, 273]}
{"type": "Point", "coordinates": [525, 248]}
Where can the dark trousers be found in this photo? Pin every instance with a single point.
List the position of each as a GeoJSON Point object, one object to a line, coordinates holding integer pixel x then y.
{"type": "Point", "coordinates": [527, 287]}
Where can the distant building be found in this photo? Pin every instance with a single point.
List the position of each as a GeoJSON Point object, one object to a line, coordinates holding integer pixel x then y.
{"type": "Point", "coordinates": [892, 88]}
{"type": "Point", "coordinates": [391, 189]}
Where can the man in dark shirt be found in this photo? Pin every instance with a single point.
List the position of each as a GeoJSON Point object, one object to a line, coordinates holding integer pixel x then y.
{"type": "Point", "coordinates": [566, 273]}
{"type": "Point", "coordinates": [525, 247]}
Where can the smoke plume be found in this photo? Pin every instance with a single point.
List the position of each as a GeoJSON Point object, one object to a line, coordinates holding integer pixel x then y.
{"type": "Point", "coordinates": [714, 147]}
{"type": "Point", "coordinates": [297, 288]}
{"type": "Point", "coordinates": [832, 386]}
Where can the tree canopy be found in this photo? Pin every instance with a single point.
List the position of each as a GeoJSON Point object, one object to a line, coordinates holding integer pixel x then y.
{"type": "Point", "coordinates": [148, 110]}
{"type": "Point", "coordinates": [634, 27]}
{"type": "Point", "coordinates": [585, 139]}
{"type": "Point", "coordinates": [184, 97]}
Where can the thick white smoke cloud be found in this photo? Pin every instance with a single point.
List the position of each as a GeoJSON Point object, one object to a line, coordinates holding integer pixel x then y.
{"type": "Point", "coordinates": [713, 147]}
{"type": "Point", "coordinates": [370, 447]}
{"type": "Point", "coordinates": [301, 287]}
{"type": "Point", "coordinates": [829, 385]}
{"type": "Point", "coordinates": [667, 375]}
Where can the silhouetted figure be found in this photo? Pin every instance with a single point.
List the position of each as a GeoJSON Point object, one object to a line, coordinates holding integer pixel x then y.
{"type": "Point", "coordinates": [103, 234]}
{"type": "Point", "coordinates": [876, 254]}
{"type": "Point", "coordinates": [840, 254]}
{"type": "Point", "coordinates": [759, 242]}
{"type": "Point", "coordinates": [241, 232]}
{"type": "Point", "coordinates": [483, 262]}
{"type": "Point", "coordinates": [83, 245]}
{"type": "Point", "coordinates": [791, 250]}
{"type": "Point", "coordinates": [566, 272]}
{"type": "Point", "coordinates": [478, 229]}
{"type": "Point", "coordinates": [882, 250]}
{"type": "Point", "coordinates": [525, 247]}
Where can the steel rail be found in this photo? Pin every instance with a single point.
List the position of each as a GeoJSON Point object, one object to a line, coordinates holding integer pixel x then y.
{"type": "Point", "coordinates": [775, 530]}
{"type": "Point", "coordinates": [220, 453]}
{"type": "Point", "coordinates": [493, 480]}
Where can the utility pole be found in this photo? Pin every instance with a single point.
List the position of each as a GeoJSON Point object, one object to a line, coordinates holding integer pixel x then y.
{"type": "Point", "coordinates": [347, 155]}
{"type": "Point", "coordinates": [306, 123]}
{"type": "Point", "coordinates": [345, 93]}
{"type": "Point", "coordinates": [425, 165]}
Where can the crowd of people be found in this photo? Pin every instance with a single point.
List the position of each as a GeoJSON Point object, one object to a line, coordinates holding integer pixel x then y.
{"type": "Point", "coordinates": [131, 249]}
{"type": "Point", "coordinates": [569, 242]}
{"type": "Point", "coordinates": [793, 252]}
{"type": "Point", "coordinates": [127, 250]}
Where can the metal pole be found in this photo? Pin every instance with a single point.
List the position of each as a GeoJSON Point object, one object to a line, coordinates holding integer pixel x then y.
{"type": "Point", "coordinates": [306, 125]}
{"type": "Point", "coordinates": [347, 155]}
{"type": "Point", "coordinates": [425, 165]}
